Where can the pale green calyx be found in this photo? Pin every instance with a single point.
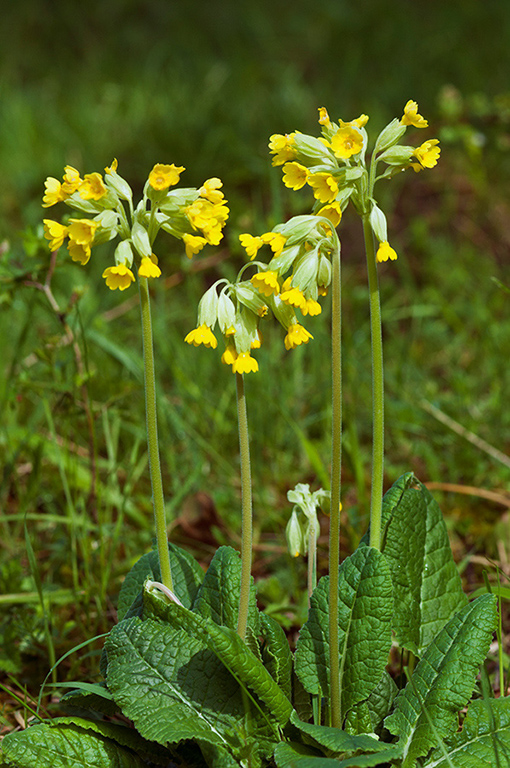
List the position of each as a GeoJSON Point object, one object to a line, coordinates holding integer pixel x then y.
{"type": "Point", "coordinates": [208, 308]}
{"type": "Point", "coordinates": [124, 254]}
{"type": "Point", "coordinates": [389, 135]}
{"type": "Point", "coordinates": [226, 312]}
{"type": "Point", "coordinates": [140, 240]}
{"type": "Point", "coordinates": [379, 224]}
{"type": "Point", "coordinates": [398, 155]}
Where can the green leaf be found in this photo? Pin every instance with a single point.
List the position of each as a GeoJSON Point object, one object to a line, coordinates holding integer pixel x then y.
{"type": "Point", "coordinates": [338, 742]}
{"type": "Point", "coordinates": [62, 745]}
{"type": "Point", "coordinates": [187, 576]}
{"type": "Point", "coordinates": [88, 698]}
{"type": "Point", "coordinates": [378, 706]}
{"type": "Point", "coordinates": [171, 685]}
{"type": "Point", "coordinates": [444, 680]}
{"type": "Point", "coordinates": [218, 595]}
{"type": "Point", "coordinates": [427, 586]}
{"type": "Point", "coordinates": [365, 610]}
{"type": "Point", "coordinates": [276, 653]}
{"type": "Point", "coordinates": [287, 754]}
{"type": "Point", "coordinates": [485, 738]}
{"type": "Point", "coordinates": [226, 644]}
{"type": "Point", "coordinates": [358, 720]}
{"type": "Point", "coordinates": [293, 755]}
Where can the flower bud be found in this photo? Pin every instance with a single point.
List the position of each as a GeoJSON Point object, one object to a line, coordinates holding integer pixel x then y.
{"type": "Point", "coordinates": [117, 184]}
{"type": "Point", "coordinates": [378, 223]}
{"type": "Point", "coordinates": [124, 254]}
{"type": "Point", "coordinates": [305, 271]}
{"type": "Point", "coordinates": [248, 295]}
{"type": "Point", "coordinates": [389, 135]}
{"type": "Point", "coordinates": [226, 312]}
{"type": "Point", "coordinates": [398, 155]}
{"type": "Point", "coordinates": [296, 536]}
{"type": "Point", "coordinates": [141, 240]}
{"type": "Point", "coordinates": [208, 308]}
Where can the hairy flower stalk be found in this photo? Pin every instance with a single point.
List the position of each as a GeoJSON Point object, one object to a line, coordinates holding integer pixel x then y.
{"type": "Point", "coordinates": [158, 500]}
{"type": "Point", "coordinates": [246, 507]}
{"type": "Point", "coordinates": [336, 465]}
{"type": "Point", "coordinates": [377, 388]}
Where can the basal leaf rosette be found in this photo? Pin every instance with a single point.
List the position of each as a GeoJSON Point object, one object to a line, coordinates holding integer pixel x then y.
{"type": "Point", "coordinates": [335, 167]}
{"type": "Point", "coordinates": [298, 273]}
{"type": "Point", "coordinates": [106, 212]}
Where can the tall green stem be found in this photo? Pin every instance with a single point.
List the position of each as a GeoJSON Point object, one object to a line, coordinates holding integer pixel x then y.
{"type": "Point", "coordinates": [336, 464]}
{"type": "Point", "coordinates": [152, 436]}
{"type": "Point", "coordinates": [377, 388]}
{"type": "Point", "coordinates": [246, 507]}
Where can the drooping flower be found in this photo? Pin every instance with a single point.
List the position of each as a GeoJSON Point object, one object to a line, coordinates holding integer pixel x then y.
{"type": "Point", "coordinates": [251, 244]}
{"type": "Point", "coordinates": [229, 356]}
{"type": "Point", "coordinates": [245, 363]}
{"type": "Point", "coordinates": [331, 211]}
{"type": "Point", "coordinates": [266, 282]}
{"type": "Point", "coordinates": [119, 277]}
{"type": "Point", "coordinates": [202, 335]}
{"type": "Point", "coordinates": [427, 155]}
{"type": "Point", "coordinates": [275, 240]}
{"type": "Point", "coordinates": [296, 335]}
{"type": "Point", "coordinates": [72, 181]}
{"type": "Point", "coordinates": [292, 296]}
{"type": "Point", "coordinates": [78, 252]}
{"type": "Point", "coordinates": [163, 176]}
{"type": "Point", "coordinates": [210, 189]}
{"type": "Point", "coordinates": [53, 192]}
{"type": "Point", "coordinates": [385, 252]}
{"type": "Point", "coordinates": [324, 185]}
{"type": "Point", "coordinates": [92, 187]}
{"type": "Point", "coordinates": [295, 175]}
{"type": "Point", "coordinates": [411, 116]}
{"type": "Point", "coordinates": [149, 268]}
{"type": "Point", "coordinates": [346, 142]}
{"type": "Point", "coordinates": [82, 231]}
{"type": "Point", "coordinates": [55, 233]}
{"type": "Point", "coordinates": [311, 307]}
{"type": "Point", "coordinates": [193, 244]}
{"type": "Point", "coordinates": [358, 122]}
{"type": "Point", "coordinates": [324, 117]}
{"type": "Point", "coordinates": [282, 147]}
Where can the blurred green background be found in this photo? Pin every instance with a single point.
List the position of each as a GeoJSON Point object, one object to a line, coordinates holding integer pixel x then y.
{"type": "Point", "coordinates": [204, 85]}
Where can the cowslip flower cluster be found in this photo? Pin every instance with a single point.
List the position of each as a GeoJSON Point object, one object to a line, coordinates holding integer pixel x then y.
{"type": "Point", "coordinates": [334, 165]}
{"type": "Point", "coordinates": [296, 275]}
{"type": "Point", "coordinates": [106, 211]}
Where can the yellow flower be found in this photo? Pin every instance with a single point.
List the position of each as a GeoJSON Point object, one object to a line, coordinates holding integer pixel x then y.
{"type": "Point", "coordinates": [163, 176]}
{"type": "Point", "coordinates": [148, 268]}
{"type": "Point", "coordinates": [411, 116]}
{"type": "Point", "coordinates": [359, 122]}
{"type": "Point", "coordinates": [292, 296]}
{"type": "Point", "coordinates": [427, 155]}
{"type": "Point", "coordinates": [346, 142]}
{"type": "Point", "coordinates": [311, 307]}
{"type": "Point", "coordinates": [229, 356]}
{"type": "Point", "coordinates": [209, 217]}
{"type": "Point", "coordinates": [119, 277]}
{"type": "Point", "coordinates": [251, 244]}
{"type": "Point", "coordinates": [324, 185]}
{"type": "Point", "coordinates": [71, 181]}
{"type": "Point", "coordinates": [202, 335]}
{"type": "Point", "coordinates": [385, 252]}
{"type": "Point", "coordinates": [92, 187]}
{"type": "Point", "coordinates": [275, 240]}
{"type": "Point", "coordinates": [266, 282]}
{"type": "Point", "coordinates": [296, 335]}
{"type": "Point", "coordinates": [55, 233]}
{"type": "Point", "coordinates": [245, 363]}
{"type": "Point", "coordinates": [332, 211]}
{"type": "Point", "coordinates": [82, 231]}
{"type": "Point", "coordinates": [113, 167]}
{"type": "Point", "coordinates": [282, 147]}
{"type": "Point", "coordinates": [193, 244]}
{"type": "Point", "coordinates": [78, 252]}
{"type": "Point", "coordinates": [211, 190]}
{"type": "Point", "coordinates": [295, 175]}
{"type": "Point", "coordinates": [257, 341]}
{"type": "Point", "coordinates": [324, 117]}
{"type": "Point", "coordinates": [53, 192]}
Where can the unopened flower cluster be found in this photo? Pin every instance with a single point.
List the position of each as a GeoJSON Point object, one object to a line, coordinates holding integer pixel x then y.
{"type": "Point", "coordinates": [296, 275]}
{"type": "Point", "coordinates": [304, 521]}
{"type": "Point", "coordinates": [334, 165]}
{"type": "Point", "coordinates": [106, 212]}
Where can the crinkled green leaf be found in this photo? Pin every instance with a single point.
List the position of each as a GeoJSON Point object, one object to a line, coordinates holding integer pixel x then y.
{"type": "Point", "coordinates": [89, 698]}
{"type": "Point", "coordinates": [378, 705]}
{"type": "Point", "coordinates": [276, 654]}
{"type": "Point", "coordinates": [226, 644]}
{"type": "Point", "coordinates": [358, 719]}
{"type": "Point", "coordinates": [218, 596]}
{"type": "Point", "coordinates": [365, 611]}
{"type": "Point", "coordinates": [427, 586]}
{"type": "Point", "coordinates": [62, 745]}
{"type": "Point", "coordinates": [293, 755]}
{"type": "Point", "coordinates": [171, 685]}
{"type": "Point", "coordinates": [484, 738]}
{"type": "Point", "coordinates": [444, 680]}
{"type": "Point", "coordinates": [336, 741]}
{"type": "Point", "coordinates": [187, 576]}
